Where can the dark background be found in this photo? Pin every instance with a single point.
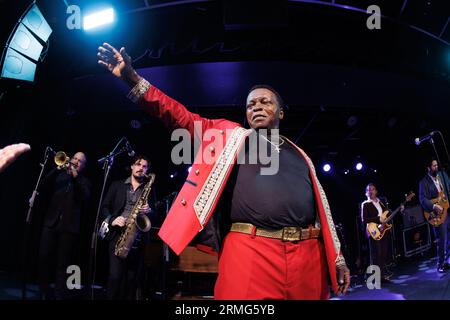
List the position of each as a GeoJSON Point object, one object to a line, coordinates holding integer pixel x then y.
{"type": "Point", "coordinates": [353, 94]}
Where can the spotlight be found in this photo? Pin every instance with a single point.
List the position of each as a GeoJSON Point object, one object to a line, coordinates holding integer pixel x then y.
{"type": "Point", "coordinates": [359, 166]}
{"type": "Point", "coordinates": [326, 167]}
{"type": "Point", "coordinates": [98, 19]}
{"type": "Point", "coordinates": [25, 45]}
{"type": "Point", "coordinates": [189, 169]}
{"type": "Point", "coordinates": [173, 175]}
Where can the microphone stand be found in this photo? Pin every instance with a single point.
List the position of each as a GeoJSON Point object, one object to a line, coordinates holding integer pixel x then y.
{"type": "Point", "coordinates": [28, 222]}
{"type": "Point", "coordinates": [108, 162]}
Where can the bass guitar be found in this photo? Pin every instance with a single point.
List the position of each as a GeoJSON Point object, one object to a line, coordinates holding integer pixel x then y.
{"type": "Point", "coordinates": [377, 231]}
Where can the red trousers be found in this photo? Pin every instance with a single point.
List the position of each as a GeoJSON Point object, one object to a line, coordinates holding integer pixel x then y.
{"type": "Point", "coordinates": [254, 268]}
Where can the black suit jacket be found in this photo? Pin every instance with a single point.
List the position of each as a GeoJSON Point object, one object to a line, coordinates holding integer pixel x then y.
{"type": "Point", "coordinates": [68, 201]}
{"type": "Point", "coordinates": [370, 212]}
{"type": "Point", "coordinates": [427, 190]}
{"type": "Point", "coordinates": [114, 203]}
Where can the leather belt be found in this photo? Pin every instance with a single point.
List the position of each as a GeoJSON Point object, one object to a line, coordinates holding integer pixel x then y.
{"type": "Point", "coordinates": [285, 234]}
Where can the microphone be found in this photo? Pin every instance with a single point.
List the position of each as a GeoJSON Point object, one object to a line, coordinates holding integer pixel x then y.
{"type": "Point", "coordinates": [51, 150]}
{"type": "Point", "coordinates": [424, 138]}
{"type": "Point", "coordinates": [130, 150]}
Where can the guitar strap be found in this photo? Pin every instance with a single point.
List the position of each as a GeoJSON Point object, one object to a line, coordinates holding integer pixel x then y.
{"type": "Point", "coordinates": [441, 186]}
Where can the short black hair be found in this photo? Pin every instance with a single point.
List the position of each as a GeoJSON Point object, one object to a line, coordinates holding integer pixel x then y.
{"type": "Point", "coordinates": [138, 157]}
{"type": "Point", "coordinates": [280, 101]}
{"type": "Point", "coordinates": [371, 184]}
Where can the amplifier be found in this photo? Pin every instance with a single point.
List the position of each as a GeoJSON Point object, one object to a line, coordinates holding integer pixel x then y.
{"type": "Point", "coordinates": [416, 239]}
{"type": "Point", "coordinates": [413, 216]}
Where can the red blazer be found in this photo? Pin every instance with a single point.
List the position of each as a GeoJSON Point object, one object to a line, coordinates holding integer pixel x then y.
{"type": "Point", "coordinates": [200, 193]}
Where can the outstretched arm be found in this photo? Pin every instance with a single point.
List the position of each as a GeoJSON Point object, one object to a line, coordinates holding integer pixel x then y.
{"type": "Point", "coordinates": [154, 101]}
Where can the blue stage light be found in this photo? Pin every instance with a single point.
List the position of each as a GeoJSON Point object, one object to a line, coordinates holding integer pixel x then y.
{"type": "Point", "coordinates": [98, 19]}
{"type": "Point", "coordinates": [24, 42]}
{"type": "Point", "coordinates": [35, 21]}
{"type": "Point", "coordinates": [25, 45]}
{"type": "Point", "coordinates": [16, 66]}
{"type": "Point", "coordinates": [326, 167]}
{"type": "Point", "coordinates": [359, 166]}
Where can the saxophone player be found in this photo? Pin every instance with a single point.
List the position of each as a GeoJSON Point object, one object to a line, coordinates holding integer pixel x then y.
{"type": "Point", "coordinates": [125, 273]}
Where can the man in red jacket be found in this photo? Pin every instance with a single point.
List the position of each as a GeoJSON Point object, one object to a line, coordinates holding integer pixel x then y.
{"type": "Point", "coordinates": [282, 243]}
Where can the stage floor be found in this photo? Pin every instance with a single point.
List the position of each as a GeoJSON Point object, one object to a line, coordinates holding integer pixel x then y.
{"type": "Point", "coordinates": [413, 279]}
{"type": "Point", "coordinates": [416, 279]}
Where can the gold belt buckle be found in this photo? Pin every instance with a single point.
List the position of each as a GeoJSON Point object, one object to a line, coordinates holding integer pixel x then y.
{"type": "Point", "coordinates": [291, 234]}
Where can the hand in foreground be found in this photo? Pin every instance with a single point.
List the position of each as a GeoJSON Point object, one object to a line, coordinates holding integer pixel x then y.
{"type": "Point", "coordinates": [10, 153]}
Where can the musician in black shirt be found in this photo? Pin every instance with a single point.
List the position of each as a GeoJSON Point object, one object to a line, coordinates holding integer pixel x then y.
{"type": "Point", "coordinates": [69, 194]}
{"type": "Point", "coordinates": [125, 274]}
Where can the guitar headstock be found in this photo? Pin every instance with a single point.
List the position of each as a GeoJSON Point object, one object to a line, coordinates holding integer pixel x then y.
{"type": "Point", "coordinates": [408, 197]}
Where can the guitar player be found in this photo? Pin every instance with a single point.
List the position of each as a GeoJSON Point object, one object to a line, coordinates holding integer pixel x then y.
{"type": "Point", "coordinates": [380, 250]}
{"type": "Point", "coordinates": [432, 184]}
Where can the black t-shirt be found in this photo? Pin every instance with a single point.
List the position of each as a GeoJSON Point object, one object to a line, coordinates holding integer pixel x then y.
{"type": "Point", "coordinates": [273, 201]}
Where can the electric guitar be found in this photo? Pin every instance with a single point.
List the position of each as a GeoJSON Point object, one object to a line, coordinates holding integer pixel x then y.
{"type": "Point", "coordinates": [434, 218]}
{"type": "Point", "coordinates": [377, 231]}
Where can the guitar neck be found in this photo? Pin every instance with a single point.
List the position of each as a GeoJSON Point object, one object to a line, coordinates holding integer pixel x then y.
{"type": "Point", "coordinates": [394, 213]}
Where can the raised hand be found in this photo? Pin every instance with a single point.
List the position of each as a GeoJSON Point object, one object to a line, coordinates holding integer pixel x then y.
{"type": "Point", "coordinates": [118, 63]}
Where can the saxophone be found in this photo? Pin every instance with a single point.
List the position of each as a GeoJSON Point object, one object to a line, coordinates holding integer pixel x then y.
{"type": "Point", "coordinates": [136, 222]}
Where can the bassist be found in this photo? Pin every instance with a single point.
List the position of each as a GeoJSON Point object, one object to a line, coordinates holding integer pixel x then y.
{"type": "Point", "coordinates": [380, 251]}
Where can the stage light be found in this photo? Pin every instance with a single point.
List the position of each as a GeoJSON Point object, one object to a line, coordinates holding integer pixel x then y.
{"type": "Point", "coordinates": [359, 166]}
{"type": "Point", "coordinates": [35, 21]}
{"type": "Point", "coordinates": [25, 44]}
{"type": "Point", "coordinates": [98, 19]}
{"type": "Point", "coordinates": [189, 169]}
{"type": "Point", "coordinates": [16, 66]}
{"type": "Point", "coordinates": [326, 167]}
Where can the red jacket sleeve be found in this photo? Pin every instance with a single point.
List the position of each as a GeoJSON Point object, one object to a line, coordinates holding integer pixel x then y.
{"type": "Point", "coordinates": [171, 112]}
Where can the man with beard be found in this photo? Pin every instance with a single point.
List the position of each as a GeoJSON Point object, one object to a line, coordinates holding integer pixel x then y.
{"type": "Point", "coordinates": [125, 274]}
{"type": "Point", "coordinates": [432, 184]}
